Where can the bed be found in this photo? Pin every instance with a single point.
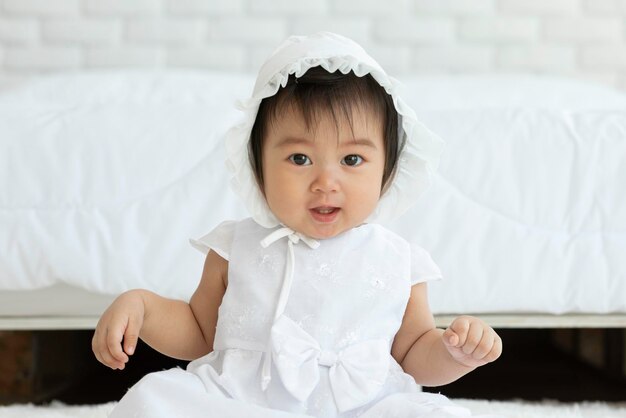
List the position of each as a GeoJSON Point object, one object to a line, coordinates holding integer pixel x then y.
{"type": "Point", "coordinates": [104, 176]}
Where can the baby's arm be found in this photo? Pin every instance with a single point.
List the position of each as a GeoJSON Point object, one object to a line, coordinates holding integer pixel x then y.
{"type": "Point", "coordinates": [436, 357]}
{"type": "Point", "coordinates": [173, 327]}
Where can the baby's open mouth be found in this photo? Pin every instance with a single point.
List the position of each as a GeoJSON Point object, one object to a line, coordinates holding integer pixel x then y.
{"type": "Point", "coordinates": [325, 210]}
{"type": "Point", "coordinates": [325, 213]}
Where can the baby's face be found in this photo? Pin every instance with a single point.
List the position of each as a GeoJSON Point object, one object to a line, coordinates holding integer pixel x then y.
{"type": "Point", "coordinates": [324, 181]}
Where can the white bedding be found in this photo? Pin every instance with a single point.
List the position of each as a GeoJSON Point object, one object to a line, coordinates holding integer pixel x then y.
{"type": "Point", "coordinates": [105, 176]}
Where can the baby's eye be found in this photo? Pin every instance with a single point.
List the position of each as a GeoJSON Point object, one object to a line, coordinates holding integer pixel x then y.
{"type": "Point", "coordinates": [299, 159]}
{"type": "Point", "coordinates": [352, 160]}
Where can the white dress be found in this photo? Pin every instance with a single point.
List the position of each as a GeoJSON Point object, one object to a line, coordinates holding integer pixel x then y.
{"type": "Point", "coordinates": [305, 329]}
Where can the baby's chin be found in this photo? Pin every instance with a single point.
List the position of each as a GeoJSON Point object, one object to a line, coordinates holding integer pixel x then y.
{"type": "Point", "coordinates": [322, 232]}
{"type": "Point", "coordinates": [324, 236]}
{"type": "Point", "coordinates": [306, 226]}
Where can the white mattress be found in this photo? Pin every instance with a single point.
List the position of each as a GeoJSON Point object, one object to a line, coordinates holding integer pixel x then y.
{"type": "Point", "coordinates": [105, 176]}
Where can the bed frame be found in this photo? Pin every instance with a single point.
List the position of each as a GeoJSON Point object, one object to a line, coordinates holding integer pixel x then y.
{"type": "Point", "coordinates": [495, 320]}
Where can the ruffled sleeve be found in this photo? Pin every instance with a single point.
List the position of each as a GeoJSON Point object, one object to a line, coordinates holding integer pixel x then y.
{"type": "Point", "coordinates": [423, 268]}
{"type": "Point", "coordinates": [219, 240]}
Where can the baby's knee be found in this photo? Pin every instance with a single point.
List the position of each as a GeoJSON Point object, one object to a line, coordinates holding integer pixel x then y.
{"type": "Point", "coordinates": [150, 396]}
{"type": "Point", "coordinates": [166, 382]}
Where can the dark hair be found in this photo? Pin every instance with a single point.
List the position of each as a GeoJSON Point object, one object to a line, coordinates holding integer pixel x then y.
{"type": "Point", "coordinates": [319, 92]}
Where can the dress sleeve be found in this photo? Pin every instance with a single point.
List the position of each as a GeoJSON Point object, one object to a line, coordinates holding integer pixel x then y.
{"type": "Point", "coordinates": [219, 240]}
{"type": "Point", "coordinates": [423, 268]}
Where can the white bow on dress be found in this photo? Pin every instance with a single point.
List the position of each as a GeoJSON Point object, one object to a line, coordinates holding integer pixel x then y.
{"type": "Point", "coordinates": [357, 372]}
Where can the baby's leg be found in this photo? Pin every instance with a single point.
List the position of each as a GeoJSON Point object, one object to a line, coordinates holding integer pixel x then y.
{"type": "Point", "coordinates": [420, 405]}
{"type": "Point", "coordinates": [178, 393]}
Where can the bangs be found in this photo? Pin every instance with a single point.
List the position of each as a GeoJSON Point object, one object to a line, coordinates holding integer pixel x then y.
{"type": "Point", "coordinates": [319, 94]}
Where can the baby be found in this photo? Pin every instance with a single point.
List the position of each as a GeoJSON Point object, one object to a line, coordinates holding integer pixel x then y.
{"type": "Point", "coordinates": [310, 307]}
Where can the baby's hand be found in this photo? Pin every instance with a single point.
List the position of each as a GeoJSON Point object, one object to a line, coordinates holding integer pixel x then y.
{"type": "Point", "coordinates": [122, 320]}
{"type": "Point", "coordinates": [471, 342]}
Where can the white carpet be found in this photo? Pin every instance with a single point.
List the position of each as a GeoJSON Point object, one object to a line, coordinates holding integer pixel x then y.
{"type": "Point", "coordinates": [509, 409]}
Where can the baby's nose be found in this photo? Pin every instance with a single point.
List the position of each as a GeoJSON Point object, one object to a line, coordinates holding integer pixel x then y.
{"type": "Point", "coordinates": [326, 181]}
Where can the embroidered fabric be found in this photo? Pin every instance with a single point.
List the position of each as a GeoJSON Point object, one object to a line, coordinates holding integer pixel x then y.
{"type": "Point", "coordinates": [277, 281]}
{"type": "Point", "coordinates": [356, 373]}
{"type": "Point", "coordinates": [220, 239]}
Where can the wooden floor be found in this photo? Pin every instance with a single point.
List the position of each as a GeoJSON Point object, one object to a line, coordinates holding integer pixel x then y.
{"type": "Point", "coordinates": [531, 368]}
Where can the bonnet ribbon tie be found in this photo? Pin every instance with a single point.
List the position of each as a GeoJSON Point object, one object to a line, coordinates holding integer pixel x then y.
{"type": "Point", "coordinates": [293, 238]}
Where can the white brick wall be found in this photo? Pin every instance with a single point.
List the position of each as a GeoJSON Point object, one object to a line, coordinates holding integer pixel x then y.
{"type": "Point", "coordinates": [539, 7]}
{"type": "Point", "coordinates": [499, 31]}
{"type": "Point", "coordinates": [19, 31]}
{"type": "Point", "coordinates": [453, 59]}
{"type": "Point", "coordinates": [456, 7]}
{"type": "Point", "coordinates": [203, 7]}
{"type": "Point", "coordinates": [289, 7]}
{"type": "Point", "coordinates": [249, 30]}
{"type": "Point", "coordinates": [41, 8]}
{"type": "Point", "coordinates": [357, 28]}
{"type": "Point", "coordinates": [559, 59]}
{"type": "Point", "coordinates": [581, 38]}
{"type": "Point", "coordinates": [164, 32]}
{"type": "Point", "coordinates": [81, 31]}
{"type": "Point", "coordinates": [606, 57]}
{"type": "Point", "coordinates": [373, 8]}
{"type": "Point", "coordinates": [42, 59]}
{"type": "Point", "coordinates": [215, 57]}
{"type": "Point", "coordinates": [414, 30]}
{"type": "Point", "coordinates": [124, 56]}
{"type": "Point", "coordinates": [605, 7]}
{"type": "Point", "coordinates": [118, 7]}
{"type": "Point", "coordinates": [600, 29]}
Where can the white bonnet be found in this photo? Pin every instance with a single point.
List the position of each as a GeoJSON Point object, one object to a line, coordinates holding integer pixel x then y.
{"type": "Point", "coordinates": [419, 157]}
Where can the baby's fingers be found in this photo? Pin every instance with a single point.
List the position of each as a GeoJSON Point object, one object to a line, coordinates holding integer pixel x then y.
{"type": "Point", "coordinates": [495, 351]}
{"type": "Point", "coordinates": [485, 346]}
{"type": "Point", "coordinates": [450, 338]}
{"type": "Point", "coordinates": [131, 335]}
{"type": "Point", "coordinates": [473, 339]}
{"type": "Point", "coordinates": [459, 327]}
{"type": "Point", "coordinates": [108, 360]}
{"type": "Point", "coordinates": [101, 351]}
{"type": "Point", "coordinates": [114, 344]}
